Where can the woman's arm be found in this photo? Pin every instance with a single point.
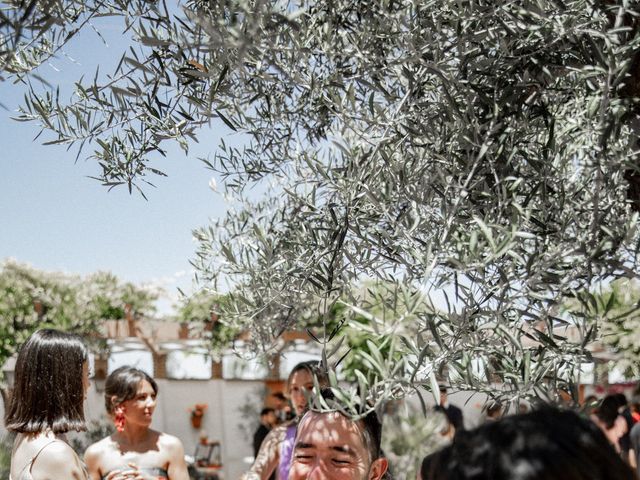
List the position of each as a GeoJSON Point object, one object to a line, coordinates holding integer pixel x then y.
{"type": "Point", "coordinates": [177, 469]}
{"type": "Point", "coordinates": [92, 461]}
{"type": "Point", "coordinates": [267, 460]}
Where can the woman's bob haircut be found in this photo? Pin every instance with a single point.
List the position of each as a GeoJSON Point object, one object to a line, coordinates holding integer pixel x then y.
{"type": "Point", "coordinates": [48, 392]}
{"type": "Point", "coordinates": [122, 385]}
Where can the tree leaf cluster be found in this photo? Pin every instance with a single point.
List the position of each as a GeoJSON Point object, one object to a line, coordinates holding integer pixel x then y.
{"type": "Point", "coordinates": [478, 152]}
{"type": "Point", "coordinates": [31, 299]}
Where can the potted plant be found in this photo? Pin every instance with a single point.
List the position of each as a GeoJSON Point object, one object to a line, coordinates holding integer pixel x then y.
{"type": "Point", "coordinates": [197, 412]}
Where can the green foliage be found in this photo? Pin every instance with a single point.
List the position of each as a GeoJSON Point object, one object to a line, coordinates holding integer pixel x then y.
{"type": "Point", "coordinates": [478, 152]}
{"type": "Point", "coordinates": [201, 311]}
{"type": "Point", "coordinates": [409, 436]}
{"type": "Point", "coordinates": [614, 310]}
{"type": "Point", "coordinates": [372, 324]}
{"type": "Point", "coordinates": [32, 299]}
{"type": "Point", "coordinates": [6, 446]}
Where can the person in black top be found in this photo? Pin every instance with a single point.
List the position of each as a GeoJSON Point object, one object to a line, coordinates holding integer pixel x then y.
{"type": "Point", "coordinates": [284, 413]}
{"type": "Point", "coordinates": [267, 421]}
{"type": "Point", "coordinates": [453, 413]}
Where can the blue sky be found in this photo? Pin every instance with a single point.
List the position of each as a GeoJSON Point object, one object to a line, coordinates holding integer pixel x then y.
{"type": "Point", "coordinates": [56, 218]}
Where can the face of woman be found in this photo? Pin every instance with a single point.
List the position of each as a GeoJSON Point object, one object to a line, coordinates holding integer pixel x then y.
{"type": "Point", "coordinates": [301, 383]}
{"type": "Point", "coordinates": [139, 410]}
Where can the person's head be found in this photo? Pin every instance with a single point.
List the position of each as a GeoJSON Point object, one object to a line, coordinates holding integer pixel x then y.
{"type": "Point", "coordinates": [590, 403]}
{"type": "Point", "coordinates": [523, 407]}
{"type": "Point", "coordinates": [547, 444]}
{"type": "Point", "coordinates": [300, 383]}
{"type": "Point", "coordinates": [443, 395]}
{"type": "Point", "coordinates": [279, 400]}
{"type": "Point", "coordinates": [268, 416]}
{"type": "Point", "coordinates": [607, 417]}
{"type": "Point", "coordinates": [131, 393]}
{"type": "Point", "coordinates": [494, 410]}
{"type": "Point", "coordinates": [621, 398]}
{"type": "Point", "coordinates": [330, 445]}
{"type": "Point", "coordinates": [607, 411]}
{"type": "Point", "coordinates": [51, 381]}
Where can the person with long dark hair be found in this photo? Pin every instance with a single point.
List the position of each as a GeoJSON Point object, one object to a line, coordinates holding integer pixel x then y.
{"type": "Point", "coordinates": [134, 451]}
{"type": "Point", "coordinates": [607, 417]}
{"type": "Point", "coordinates": [277, 448]}
{"type": "Point", "coordinates": [46, 402]}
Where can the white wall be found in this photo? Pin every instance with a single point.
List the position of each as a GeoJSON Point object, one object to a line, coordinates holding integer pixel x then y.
{"type": "Point", "coordinates": [221, 421]}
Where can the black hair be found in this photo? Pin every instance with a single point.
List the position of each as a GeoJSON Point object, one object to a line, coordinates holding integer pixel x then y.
{"type": "Point", "coordinates": [315, 369]}
{"type": "Point", "coordinates": [122, 385]}
{"type": "Point", "coordinates": [548, 444]}
{"type": "Point", "coordinates": [432, 463]}
{"type": "Point", "coordinates": [48, 391]}
{"type": "Point", "coordinates": [622, 399]}
{"type": "Point", "coordinates": [279, 396]}
{"type": "Point", "coordinates": [372, 434]}
{"type": "Point", "coordinates": [371, 430]}
{"type": "Point", "coordinates": [607, 411]}
{"type": "Point", "coordinates": [266, 411]}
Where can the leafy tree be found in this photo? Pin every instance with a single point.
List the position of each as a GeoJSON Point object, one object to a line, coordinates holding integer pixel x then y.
{"type": "Point", "coordinates": [615, 311]}
{"type": "Point", "coordinates": [480, 152]}
{"type": "Point", "coordinates": [34, 31]}
{"type": "Point", "coordinates": [32, 299]}
{"type": "Point", "coordinates": [200, 311]}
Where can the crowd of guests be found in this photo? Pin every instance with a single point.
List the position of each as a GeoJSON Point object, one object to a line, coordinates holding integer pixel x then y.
{"type": "Point", "coordinates": [547, 443]}
{"type": "Point", "coordinates": [299, 442]}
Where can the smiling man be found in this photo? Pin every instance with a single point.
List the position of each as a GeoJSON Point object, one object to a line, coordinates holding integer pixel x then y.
{"type": "Point", "coordinates": [329, 445]}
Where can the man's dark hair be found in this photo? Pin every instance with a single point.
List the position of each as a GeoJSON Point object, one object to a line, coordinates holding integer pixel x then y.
{"type": "Point", "coordinates": [371, 427]}
{"type": "Point", "coordinates": [279, 396]}
{"type": "Point", "coordinates": [48, 391]}
{"type": "Point", "coordinates": [372, 434]}
{"type": "Point", "coordinates": [122, 385]}
{"type": "Point", "coordinates": [266, 411]}
{"type": "Point", "coordinates": [547, 444]}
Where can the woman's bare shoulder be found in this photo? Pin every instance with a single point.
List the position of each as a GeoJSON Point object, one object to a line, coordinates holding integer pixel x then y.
{"type": "Point", "coordinates": [58, 460]}
{"type": "Point", "coordinates": [99, 448]}
{"type": "Point", "coordinates": [169, 441]}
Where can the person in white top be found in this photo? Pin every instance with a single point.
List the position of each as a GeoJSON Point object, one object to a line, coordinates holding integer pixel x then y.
{"type": "Point", "coordinates": [47, 401]}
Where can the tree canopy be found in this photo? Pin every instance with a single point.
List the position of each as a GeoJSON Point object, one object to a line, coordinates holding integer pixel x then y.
{"type": "Point", "coordinates": [32, 299]}
{"type": "Point", "coordinates": [480, 153]}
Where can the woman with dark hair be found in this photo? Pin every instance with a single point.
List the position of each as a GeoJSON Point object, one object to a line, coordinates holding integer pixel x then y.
{"type": "Point", "coordinates": [277, 448]}
{"type": "Point", "coordinates": [134, 451]}
{"type": "Point", "coordinates": [607, 417]}
{"type": "Point", "coordinates": [547, 444]}
{"type": "Point", "coordinates": [46, 402]}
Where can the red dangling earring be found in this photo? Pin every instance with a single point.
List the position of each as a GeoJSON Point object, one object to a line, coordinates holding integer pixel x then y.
{"type": "Point", "coordinates": [119, 420]}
